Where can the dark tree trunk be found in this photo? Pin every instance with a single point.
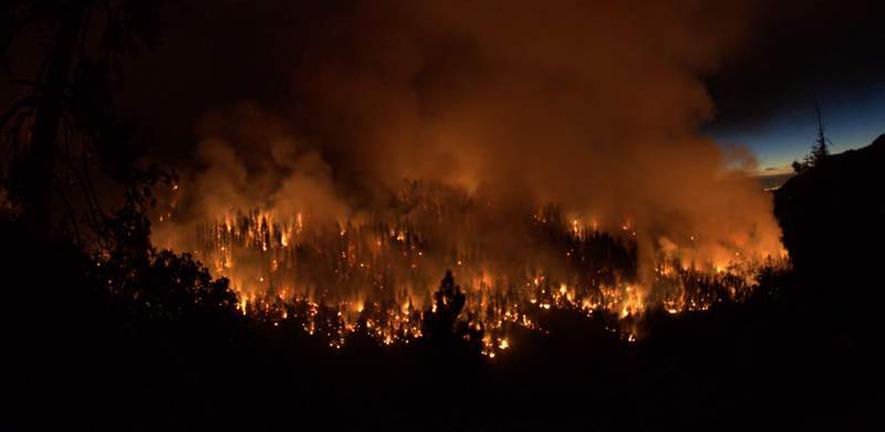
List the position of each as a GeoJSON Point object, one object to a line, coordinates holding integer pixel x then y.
{"type": "Point", "coordinates": [40, 163]}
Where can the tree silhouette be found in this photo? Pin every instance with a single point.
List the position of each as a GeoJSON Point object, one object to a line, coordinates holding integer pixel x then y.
{"type": "Point", "coordinates": [441, 326]}
{"type": "Point", "coordinates": [820, 150]}
{"type": "Point", "coordinates": [158, 283]}
{"type": "Point", "coordinates": [71, 97]}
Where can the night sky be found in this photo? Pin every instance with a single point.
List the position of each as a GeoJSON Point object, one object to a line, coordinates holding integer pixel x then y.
{"type": "Point", "coordinates": [799, 51]}
{"type": "Point", "coordinates": [851, 121]}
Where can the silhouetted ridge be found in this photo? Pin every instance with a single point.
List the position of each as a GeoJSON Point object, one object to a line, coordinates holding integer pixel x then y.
{"type": "Point", "coordinates": [832, 219]}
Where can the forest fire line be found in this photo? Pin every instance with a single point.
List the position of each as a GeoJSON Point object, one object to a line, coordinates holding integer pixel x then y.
{"type": "Point", "coordinates": [378, 275]}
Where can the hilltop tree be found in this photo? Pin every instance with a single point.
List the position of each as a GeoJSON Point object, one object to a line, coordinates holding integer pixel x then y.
{"type": "Point", "coordinates": [820, 150]}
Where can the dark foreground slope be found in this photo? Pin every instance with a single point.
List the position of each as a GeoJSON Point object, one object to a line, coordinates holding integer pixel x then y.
{"type": "Point", "coordinates": [833, 221]}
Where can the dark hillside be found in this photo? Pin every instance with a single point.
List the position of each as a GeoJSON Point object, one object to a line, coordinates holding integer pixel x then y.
{"type": "Point", "coordinates": [832, 219]}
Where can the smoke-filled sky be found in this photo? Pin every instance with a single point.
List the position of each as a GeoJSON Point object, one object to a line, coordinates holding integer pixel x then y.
{"type": "Point", "coordinates": [610, 108]}
{"type": "Point", "coordinates": [327, 106]}
{"type": "Point", "coordinates": [759, 64]}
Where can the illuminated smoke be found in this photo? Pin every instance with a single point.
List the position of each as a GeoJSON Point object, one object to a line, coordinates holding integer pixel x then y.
{"type": "Point", "coordinates": [592, 106]}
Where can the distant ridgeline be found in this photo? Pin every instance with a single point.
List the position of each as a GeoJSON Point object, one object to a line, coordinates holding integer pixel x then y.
{"type": "Point", "coordinates": [773, 181]}
{"type": "Point", "coordinates": [832, 218]}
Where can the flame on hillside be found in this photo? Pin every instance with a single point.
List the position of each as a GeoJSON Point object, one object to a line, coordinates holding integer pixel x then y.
{"type": "Point", "coordinates": [379, 274]}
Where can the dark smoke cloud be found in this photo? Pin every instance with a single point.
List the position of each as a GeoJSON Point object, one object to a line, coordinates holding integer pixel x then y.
{"type": "Point", "coordinates": [799, 50]}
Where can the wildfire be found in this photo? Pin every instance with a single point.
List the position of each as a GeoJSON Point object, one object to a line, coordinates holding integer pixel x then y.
{"type": "Point", "coordinates": [378, 275]}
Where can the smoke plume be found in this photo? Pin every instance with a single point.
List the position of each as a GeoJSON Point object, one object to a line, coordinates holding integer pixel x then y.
{"type": "Point", "coordinates": [594, 106]}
